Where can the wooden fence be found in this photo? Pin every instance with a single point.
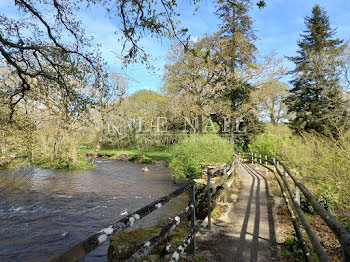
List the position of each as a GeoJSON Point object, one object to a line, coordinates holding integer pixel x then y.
{"type": "Point", "coordinates": [219, 188]}
{"type": "Point", "coordinates": [281, 171]}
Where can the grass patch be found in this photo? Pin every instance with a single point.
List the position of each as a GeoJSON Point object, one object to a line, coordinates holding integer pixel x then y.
{"type": "Point", "coordinates": [61, 163]}
{"type": "Point", "coordinates": [48, 163]}
{"type": "Point", "coordinates": [133, 155]}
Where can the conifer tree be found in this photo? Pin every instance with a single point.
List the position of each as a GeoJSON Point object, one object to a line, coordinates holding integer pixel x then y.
{"type": "Point", "coordinates": [316, 96]}
{"type": "Point", "coordinates": [236, 52]}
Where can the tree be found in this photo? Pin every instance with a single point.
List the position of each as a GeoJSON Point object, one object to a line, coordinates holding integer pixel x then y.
{"type": "Point", "coordinates": [236, 35]}
{"type": "Point", "coordinates": [113, 89]}
{"type": "Point", "coordinates": [316, 96]}
{"type": "Point", "coordinates": [31, 39]}
{"type": "Point", "coordinates": [51, 48]}
{"type": "Point", "coordinates": [270, 100]}
{"type": "Point", "coordinates": [345, 68]}
{"type": "Point", "coordinates": [191, 80]}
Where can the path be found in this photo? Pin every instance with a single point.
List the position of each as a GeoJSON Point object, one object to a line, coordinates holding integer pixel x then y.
{"type": "Point", "coordinates": [246, 232]}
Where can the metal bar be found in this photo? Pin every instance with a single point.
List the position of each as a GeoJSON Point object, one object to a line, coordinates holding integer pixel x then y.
{"type": "Point", "coordinates": [209, 201]}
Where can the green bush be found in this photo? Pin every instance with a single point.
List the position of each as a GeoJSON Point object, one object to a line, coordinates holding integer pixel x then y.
{"type": "Point", "coordinates": [186, 157]}
{"type": "Point", "coordinates": [321, 163]}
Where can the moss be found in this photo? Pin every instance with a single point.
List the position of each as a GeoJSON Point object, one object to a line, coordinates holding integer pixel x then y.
{"type": "Point", "coordinates": [197, 258]}
{"type": "Point", "coordinates": [125, 243]}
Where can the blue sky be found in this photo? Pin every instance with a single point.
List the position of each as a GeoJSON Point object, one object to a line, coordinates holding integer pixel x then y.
{"type": "Point", "coordinates": [278, 27]}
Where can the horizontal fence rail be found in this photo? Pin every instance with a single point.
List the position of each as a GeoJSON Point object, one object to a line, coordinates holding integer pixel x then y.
{"type": "Point", "coordinates": [91, 243]}
{"type": "Point", "coordinates": [83, 248]}
{"type": "Point", "coordinates": [294, 197]}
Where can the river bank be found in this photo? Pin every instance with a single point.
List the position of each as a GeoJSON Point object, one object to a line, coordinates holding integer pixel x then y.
{"type": "Point", "coordinates": [15, 160]}
{"type": "Point", "coordinates": [128, 154]}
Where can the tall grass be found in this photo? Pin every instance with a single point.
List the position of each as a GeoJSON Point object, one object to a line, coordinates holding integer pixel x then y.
{"type": "Point", "coordinates": [186, 156]}
{"type": "Point", "coordinates": [322, 164]}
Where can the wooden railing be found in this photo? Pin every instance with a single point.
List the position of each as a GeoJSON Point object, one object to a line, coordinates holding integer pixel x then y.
{"type": "Point", "coordinates": [219, 188]}
{"type": "Point", "coordinates": [281, 171]}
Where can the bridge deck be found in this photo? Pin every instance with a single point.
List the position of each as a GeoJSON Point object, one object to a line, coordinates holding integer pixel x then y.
{"type": "Point", "coordinates": [247, 231]}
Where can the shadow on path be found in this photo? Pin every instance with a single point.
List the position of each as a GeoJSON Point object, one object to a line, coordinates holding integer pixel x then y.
{"type": "Point", "coordinates": [247, 231]}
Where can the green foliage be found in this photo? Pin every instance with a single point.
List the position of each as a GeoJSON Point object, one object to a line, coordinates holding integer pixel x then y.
{"type": "Point", "coordinates": [147, 156]}
{"type": "Point", "coordinates": [321, 163]}
{"type": "Point", "coordinates": [290, 249]}
{"type": "Point", "coordinates": [62, 163]}
{"type": "Point", "coordinates": [316, 98]}
{"type": "Point", "coordinates": [187, 156]}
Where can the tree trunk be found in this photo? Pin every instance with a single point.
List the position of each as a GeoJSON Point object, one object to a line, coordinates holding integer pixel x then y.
{"type": "Point", "coordinates": [200, 124]}
{"type": "Point", "coordinates": [56, 146]}
{"type": "Point", "coordinates": [97, 148]}
{"type": "Point", "coordinates": [232, 131]}
{"type": "Point", "coordinates": [74, 154]}
{"type": "Point", "coordinates": [32, 154]}
{"type": "Point", "coordinates": [2, 148]}
{"type": "Point", "coordinates": [99, 141]}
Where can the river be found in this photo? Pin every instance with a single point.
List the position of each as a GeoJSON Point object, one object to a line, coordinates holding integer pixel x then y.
{"type": "Point", "coordinates": [43, 212]}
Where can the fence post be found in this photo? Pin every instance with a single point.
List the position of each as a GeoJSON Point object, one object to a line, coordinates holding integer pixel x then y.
{"type": "Point", "coordinates": [265, 160]}
{"type": "Point", "coordinates": [260, 159]}
{"type": "Point", "coordinates": [346, 258]}
{"type": "Point", "coordinates": [252, 157]}
{"type": "Point", "coordinates": [225, 185]}
{"type": "Point", "coordinates": [297, 195]}
{"type": "Point", "coordinates": [274, 164]}
{"type": "Point", "coordinates": [209, 201]}
{"type": "Point", "coordinates": [193, 219]}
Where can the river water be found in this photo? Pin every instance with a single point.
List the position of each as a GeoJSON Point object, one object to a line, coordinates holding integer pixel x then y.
{"type": "Point", "coordinates": [43, 212]}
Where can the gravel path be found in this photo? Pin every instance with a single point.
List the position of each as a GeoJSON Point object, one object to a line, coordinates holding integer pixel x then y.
{"type": "Point", "coordinates": [246, 231]}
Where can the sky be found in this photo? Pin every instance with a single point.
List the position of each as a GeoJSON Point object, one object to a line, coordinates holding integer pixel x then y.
{"type": "Point", "coordinates": [277, 26]}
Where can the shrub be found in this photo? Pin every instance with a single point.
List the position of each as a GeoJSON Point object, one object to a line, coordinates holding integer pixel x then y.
{"type": "Point", "coordinates": [321, 163]}
{"type": "Point", "coordinates": [186, 157]}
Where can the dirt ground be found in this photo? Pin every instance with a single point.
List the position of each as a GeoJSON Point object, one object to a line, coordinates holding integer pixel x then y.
{"type": "Point", "coordinates": [246, 230]}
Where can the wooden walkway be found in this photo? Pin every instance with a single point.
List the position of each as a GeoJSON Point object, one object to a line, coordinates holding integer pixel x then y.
{"type": "Point", "coordinates": [246, 232]}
